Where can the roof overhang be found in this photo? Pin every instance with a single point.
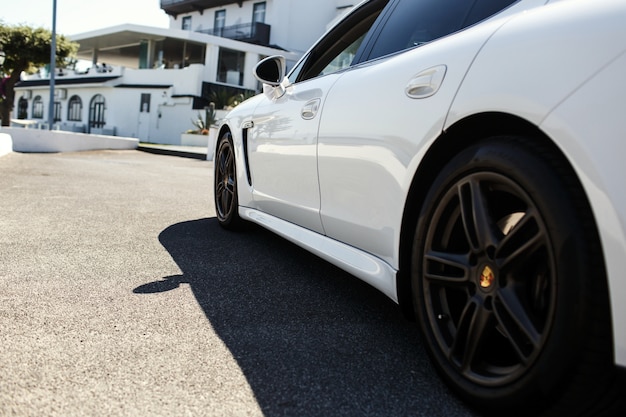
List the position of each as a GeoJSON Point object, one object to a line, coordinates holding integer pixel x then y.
{"type": "Point", "coordinates": [176, 7]}
{"type": "Point", "coordinates": [65, 81]}
{"type": "Point", "coordinates": [130, 35]}
{"type": "Point", "coordinates": [121, 36]}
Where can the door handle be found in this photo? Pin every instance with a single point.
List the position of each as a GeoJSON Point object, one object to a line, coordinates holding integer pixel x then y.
{"type": "Point", "coordinates": [310, 109]}
{"type": "Point", "coordinates": [426, 83]}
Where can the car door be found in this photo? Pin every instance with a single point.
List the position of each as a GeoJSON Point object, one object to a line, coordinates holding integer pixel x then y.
{"type": "Point", "coordinates": [282, 150]}
{"type": "Point", "coordinates": [381, 115]}
{"type": "Point", "coordinates": [282, 145]}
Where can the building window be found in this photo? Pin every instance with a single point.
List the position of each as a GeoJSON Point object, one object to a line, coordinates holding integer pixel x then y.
{"type": "Point", "coordinates": [37, 108]}
{"type": "Point", "coordinates": [145, 103]}
{"type": "Point", "coordinates": [75, 109]}
{"type": "Point", "coordinates": [22, 108]}
{"type": "Point", "coordinates": [258, 12]}
{"type": "Point", "coordinates": [96, 112]}
{"type": "Point", "coordinates": [186, 23]}
{"type": "Point", "coordinates": [57, 111]}
{"type": "Point", "coordinates": [230, 67]}
{"type": "Point", "coordinates": [219, 22]}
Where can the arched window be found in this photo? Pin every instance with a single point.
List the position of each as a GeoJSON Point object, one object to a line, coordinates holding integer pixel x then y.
{"type": "Point", "coordinates": [57, 111]}
{"type": "Point", "coordinates": [22, 108]}
{"type": "Point", "coordinates": [37, 108]}
{"type": "Point", "coordinates": [96, 111]}
{"type": "Point", "coordinates": [75, 109]}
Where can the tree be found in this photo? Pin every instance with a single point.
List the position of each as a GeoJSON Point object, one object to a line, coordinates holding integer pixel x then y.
{"type": "Point", "coordinates": [26, 49]}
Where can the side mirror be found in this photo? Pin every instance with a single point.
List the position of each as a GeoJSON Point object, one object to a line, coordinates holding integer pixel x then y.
{"type": "Point", "coordinates": [271, 70]}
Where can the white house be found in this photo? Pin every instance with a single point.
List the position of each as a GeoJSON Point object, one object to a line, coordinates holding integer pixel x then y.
{"type": "Point", "coordinates": [149, 83]}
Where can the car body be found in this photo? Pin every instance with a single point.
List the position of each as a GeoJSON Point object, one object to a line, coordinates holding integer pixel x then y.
{"type": "Point", "coordinates": [464, 158]}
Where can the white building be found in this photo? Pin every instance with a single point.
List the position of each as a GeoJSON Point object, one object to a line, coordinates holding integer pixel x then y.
{"type": "Point", "coordinates": [149, 83]}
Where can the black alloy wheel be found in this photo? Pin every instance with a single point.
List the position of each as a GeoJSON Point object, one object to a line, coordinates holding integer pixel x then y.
{"type": "Point", "coordinates": [226, 202]}
{"type": "Point", "coordinates": [502, 270]}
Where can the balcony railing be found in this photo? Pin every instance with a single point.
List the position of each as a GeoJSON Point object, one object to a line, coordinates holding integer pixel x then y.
{"type": "Point", "coordinates": [176, 7]}
{"type": "Point", "coordinates": [257, 33]}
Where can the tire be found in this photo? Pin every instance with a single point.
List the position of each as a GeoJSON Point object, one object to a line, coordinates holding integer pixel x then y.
{"type": "Point", "coordinates": [508, 283]}
{"type": "Point", "coordinates": [225, 184]}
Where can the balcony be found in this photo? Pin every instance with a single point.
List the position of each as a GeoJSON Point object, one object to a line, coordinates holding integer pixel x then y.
{"type": "Point", "coordinates": [176, 7]}
{"type": "Point", "coordinates": [256, 33]}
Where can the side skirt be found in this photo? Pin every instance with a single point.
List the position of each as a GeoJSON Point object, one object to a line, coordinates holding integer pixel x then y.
{"type": "Point", "coordinates": [363, 265]}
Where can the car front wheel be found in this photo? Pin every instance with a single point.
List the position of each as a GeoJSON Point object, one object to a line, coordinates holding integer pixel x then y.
{"type": "Point", "coordinates": [508, 281]}
{"type": "Point", "coordinates": [225, 184]}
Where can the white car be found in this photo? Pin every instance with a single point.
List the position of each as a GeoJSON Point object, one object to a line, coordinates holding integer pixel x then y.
{"type": "Point", "coordinates": [467, 159]}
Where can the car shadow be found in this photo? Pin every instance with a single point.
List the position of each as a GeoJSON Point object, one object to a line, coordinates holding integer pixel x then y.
{"type": "Point", "coordinates": [311, 339]}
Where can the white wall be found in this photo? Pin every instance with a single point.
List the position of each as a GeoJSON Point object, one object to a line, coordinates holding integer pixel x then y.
{"type": "Point", "coordinates": [296, 24]}
{"type": "Point", "coordinates": [187, 80]}
{"type": "Point", "coordinates": [175, 118]}
{"type": "Point", "coordinates": [235, 15]}
{"type": "Point", "coordinates": [6, 144]}
{"type": "Point", "coordinates": [123, 108]}
{"type": "Point", "coordinates": [168, 116]}
{"type": "Point", "coordinates": [35, 140]}
{"type": "Point", "coordinates": [86, 93]}
{"type": "Point", "coordinates": [167, 119]}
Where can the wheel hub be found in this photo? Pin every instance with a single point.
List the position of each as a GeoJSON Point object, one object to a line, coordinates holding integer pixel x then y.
{"type": "Point", "coordinates": [487, 277]}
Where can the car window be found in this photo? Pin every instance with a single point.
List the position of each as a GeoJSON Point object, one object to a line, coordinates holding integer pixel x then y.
{"type": "Point", "coordinates": [345, 57]}
{"type": "Point", "coordinates": [416, 22]}
{"type": "Point", "coordinates": [337, 50]}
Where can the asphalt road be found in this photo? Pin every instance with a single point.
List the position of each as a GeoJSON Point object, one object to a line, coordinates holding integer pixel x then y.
{"type": "Point", "coordinates": [120, 296]}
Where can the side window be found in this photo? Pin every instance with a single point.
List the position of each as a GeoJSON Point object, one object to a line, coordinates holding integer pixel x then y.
{"type": "Point", "coordinates": [219, 22]}
{"type": "Point", "coordinates": [186, 23]}
{"type": "Point", "coordinates": [416, 22]}
{"type": "Point", "coordinates": [258, 12]}
{"type": "Point", "coordinates": [345, 57]}
{"type": "Point", "coordinates": [230, 66]}
{"type": "Point", "coordinates": [486, 8]}
{"type": "Point", "coordinates": [337, 50]}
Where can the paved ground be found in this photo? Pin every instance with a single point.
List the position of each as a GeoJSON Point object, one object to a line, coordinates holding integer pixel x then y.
{"type": "Point", "coordinates": [121, 296]}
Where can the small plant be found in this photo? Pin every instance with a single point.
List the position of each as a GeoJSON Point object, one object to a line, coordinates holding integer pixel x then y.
{"type": "Point", "coordinates": [203, 124]}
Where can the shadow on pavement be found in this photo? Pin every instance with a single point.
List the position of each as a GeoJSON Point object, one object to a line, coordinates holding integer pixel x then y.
{"type": "Point", "coordinates": [310, 339]}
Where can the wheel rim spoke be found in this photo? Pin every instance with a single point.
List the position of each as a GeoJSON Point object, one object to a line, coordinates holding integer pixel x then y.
{"type": "Point", "coordinates": [470, 334]}
{"type": "Point", "coordinates": [514, 321]}
{"type": "Point", "coordinates": [446, 268]}
{"type": "Point", "coordinates": [475, 215]}
{"type": "Point", "coordinates": [523, 240]}
{"type": "Point", "coordinates": [226, 200]}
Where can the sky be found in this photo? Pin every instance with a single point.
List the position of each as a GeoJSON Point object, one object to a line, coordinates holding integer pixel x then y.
{"type": "Point", "coordinates": [78, 16]}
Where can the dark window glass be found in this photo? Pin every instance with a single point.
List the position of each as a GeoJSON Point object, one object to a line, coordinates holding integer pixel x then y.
{"type": "Point", "coordinates": [186, 23]}
{"type": "Point", "coordinates": [484, 8]}
{"type": "Point", "coordinates": [339, 47]}
{"type": "Point", "coordinates": [96, 111]}
{"type": "Point", "coordinates": [230, 66]}
{"type": "Point", "coordinates": [416, 22]}
{"type": "Point", "coordinates": [258, 13]}
{"type": "Point", "coordinates": [75, 109]}
{"type": "Point", "coordinates": [37, 108]}
{"type": "Point", "coordinates": [22, 108]}
{"type": "Point", "coordinates": [219, 19]}
{"type": "Point", "coordinates": [57, 111]}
